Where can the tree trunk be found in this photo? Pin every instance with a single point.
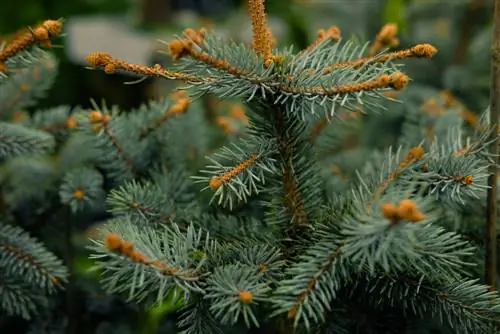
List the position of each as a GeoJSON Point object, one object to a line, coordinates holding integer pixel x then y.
{"type": "Point", "coordinates": [491, 233]}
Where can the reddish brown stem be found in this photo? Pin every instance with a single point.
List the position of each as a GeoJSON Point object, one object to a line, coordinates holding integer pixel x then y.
{"type": "Point", "coordinates": [491, 211]}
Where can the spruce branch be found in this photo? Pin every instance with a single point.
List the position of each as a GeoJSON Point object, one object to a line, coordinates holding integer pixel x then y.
{"type": "Point", "coordinates": [28, 83]}
{"type": "Point", "coordinates": [455, 180]}
{"type": "Point", "coordinates": [24, 256]}
{"type": "Point", "coordinates": [20, 298]}
{"type": "Point", "coordinates": [294, 192]}
{"type": "Point", "coordinates": [312, 284]}
{"type": "Point", "coordinates": [101, 124]}
{"type": "Point", "coordinates": [222, 62]}
{"type": "Point", "coordinates": [459, 144]}
{"type": "Point", "coordinates": [426, 51]}
{"type": "Point", "coordinates": [414, 155]}
{"type": "Point", "coordinates": [235, 228]}
{"type": "Point", "coordinates": [115, 243]}
{"type": "Point", "coordinates": [111, 134]}
{"type": "Point", "coordinates": [245, 177]}
{"type": "Point", "coordinates": [111, 65]}
{"type": "Point", "coordinates": [344, 121]}
{"type": "Point", "coordinates": [178, 108]}
{"type": "Point", "coordinates": [17, 140]}
{"type": "Point", "coordinates": [217, 63]}
{"type": "Point", "coordinates": [57, 121]}
{"type": "Point", "coordinates": [446, 102]}
{"type": "Point", "coordinates": [82, 189]}
{"type": "Point", "coordinates": [264, 258]}
{"type": "Point", "coordinates": [304, 88]}
{"type": "Point", "coordinates": [470, 300]}
{"type": "Point", "coordinates": [145, 202]}
{"type": "Point", "coordinates": [386, 37]}
{"type": "Point", "coordinates": [40, 35]}
{"type": "Point", "coordinates": [395, 81]}
{"type": "Point", "coordinates": [148, 262]}
{"type": "Point", "coordinates": [183, 48]}
{"type": "Point", "coordinates": [234, 292]}
{"type": "Point", "coordinates": [174, 184]}
{"type": "Point", "coordinates": [196, 318]}
{"type": "Point", "coordinates": [391, 237]}
{"type": "Point", "coordinates": [271, 243]}
{"type": "Point", "coordinates": [466, 306]}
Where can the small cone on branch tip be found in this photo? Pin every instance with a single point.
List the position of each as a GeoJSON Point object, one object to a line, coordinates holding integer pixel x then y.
{"type": "Point", "coordinates": [416, 152]}
{"type": "Point", "coordinates": [138, 257]}
{"type": "Point", "coordinates": [333, 33]}
{"type": "Point", "coordinates": [388, 35]}
{"type": "Point", "coordinates": [407, 208]}
{"type": "Point", "coordinates": [127, 248]}
{"type": "Point", "coordinates": [41, 34]}
{"type": "Point", "coordinates": [109, 68]}
{"type": "Point", "coordinates": [179, 48]}
{"type": "Point", "coordinates": [97, 59]}
{"type": "Point", "coordinates": [71, 123]}
{"type": "Point", "coordinates": [179, 94]}
{"type": "Point", "coordinates": [195, 36]}
{"type": "Point", "coordinates": [215, 183]}
{"type": "Point", "coordinates": [79, 194]}
{"type": "Point", "coordinates": [389, 29]}
{"type": "Point", "coordinates": [399, 81]}
{"type": "Point", "coordinates": [424, 50]}
{"type": "Point", "coordinates": [113, 242]}
{"type": "Point", "coordinates": [416, 217]}
{"type": "Point", "coordinates": [246, 297]}
{"type": "Point", "coordinates": [409, 211]}
{"type": "Point", "coordinates": [54, 27]}
{"type": "Point", "coordinates": [96, 116]}
{"type": "Point", "coordinates": [389, 210]}
{"type": "Point", "coordinates": [384, 80]}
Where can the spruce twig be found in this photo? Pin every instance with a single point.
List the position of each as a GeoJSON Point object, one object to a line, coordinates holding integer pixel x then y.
{"type": "Point", "coordinates": [491, 211]}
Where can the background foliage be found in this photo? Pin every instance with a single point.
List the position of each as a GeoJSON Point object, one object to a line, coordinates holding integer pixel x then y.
{"type": "Point", "coordinates": [460, 29]}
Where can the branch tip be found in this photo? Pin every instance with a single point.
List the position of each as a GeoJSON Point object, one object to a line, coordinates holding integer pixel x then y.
{"type": "Point", "coordinates": [262, 36]}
